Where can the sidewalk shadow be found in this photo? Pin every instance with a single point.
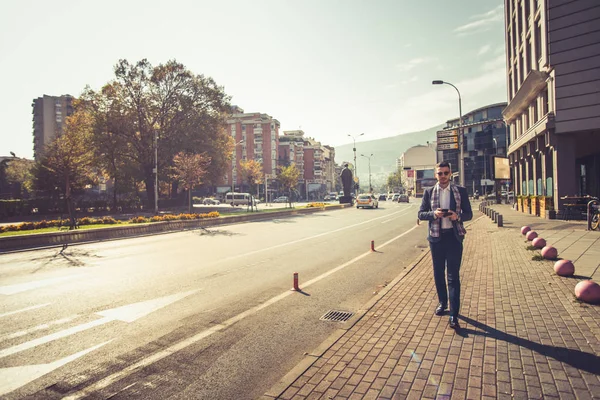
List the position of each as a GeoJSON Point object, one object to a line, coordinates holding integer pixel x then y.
{"type": "Point", "coordinates": [576, 358]}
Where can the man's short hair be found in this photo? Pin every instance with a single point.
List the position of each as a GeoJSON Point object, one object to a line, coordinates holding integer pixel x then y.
{"type": "Point", "coordinates": [443, 164]}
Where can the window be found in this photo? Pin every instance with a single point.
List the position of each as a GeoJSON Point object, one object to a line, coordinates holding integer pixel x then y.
{"type": "Point", "coordinates": [545, 107]}
{"type": "Point", "coordinates": [528, 55]}
{"type": "Point", "coordinates": [538, 42]}
{"type": "Point", "coordinates": [534, 112]}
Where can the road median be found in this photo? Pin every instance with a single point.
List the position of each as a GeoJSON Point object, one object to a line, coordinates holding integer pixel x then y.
{"type": "Point", "coordinates": [53, 239]}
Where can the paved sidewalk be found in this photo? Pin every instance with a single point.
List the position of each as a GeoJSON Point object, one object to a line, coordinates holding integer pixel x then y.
{"type": "Point", "coordinates": [523, 335]}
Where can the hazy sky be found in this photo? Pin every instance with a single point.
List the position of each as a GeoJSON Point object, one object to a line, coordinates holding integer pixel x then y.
{"type": "Point", "coordinates": [329, 67]}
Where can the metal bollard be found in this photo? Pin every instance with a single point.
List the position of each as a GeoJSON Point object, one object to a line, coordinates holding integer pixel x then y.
{"type": "Point", "coordinates": [500, 221]}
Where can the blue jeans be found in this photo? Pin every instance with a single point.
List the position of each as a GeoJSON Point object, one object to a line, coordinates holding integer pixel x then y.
{"type": "Point", "coordinates": [447, 256]}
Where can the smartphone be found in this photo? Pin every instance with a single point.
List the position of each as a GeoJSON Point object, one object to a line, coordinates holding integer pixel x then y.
{"type": "Point", "coordinates": [445, 211]}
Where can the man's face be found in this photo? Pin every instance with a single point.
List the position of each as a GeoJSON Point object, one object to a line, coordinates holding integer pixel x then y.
{"type": "Point", "coordinates": [443, 175]}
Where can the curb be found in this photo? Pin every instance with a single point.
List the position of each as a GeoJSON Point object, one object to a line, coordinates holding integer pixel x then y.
{"type": "Point", "coordinates": [59, 239]}
{"type": "Point", "coordinates": [284, 383]}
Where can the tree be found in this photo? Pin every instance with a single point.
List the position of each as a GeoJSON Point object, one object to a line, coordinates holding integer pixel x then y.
{"type": "Point", "coordinates": [167, 104]}
{"type": "Point", "coordinates": [288, 179]}
{"type": "Point", "coordinates": [189, 169]}
{"type": "Point", "coordinates": [252, 172]}
{"type": "Point", "coordinates": [19, 172]}
{"type": "Point", "coordinates": [67, 163]}
{"type": "Point", "coordinates": [394, 180]}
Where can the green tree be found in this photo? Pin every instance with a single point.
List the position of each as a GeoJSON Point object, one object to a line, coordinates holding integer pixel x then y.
{"type": "Point", "coordinates": [394, 180]}
{"type": "Point", "coordinates": [288, 179]}
{"type": "Point", "coordinates": [189, 169]}
{"type": "Point", "coordinates": [19, 171]}
{"type": "Point", "coordinates": [168, 104]}
{"type": "Point", "coordinates": [252, 172]}
{"type": "Point", "coordinates": [67, 163]}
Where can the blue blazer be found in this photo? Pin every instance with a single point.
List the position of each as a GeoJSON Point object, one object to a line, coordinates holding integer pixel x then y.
{"type": "Point", "coordinates": [466, 213]}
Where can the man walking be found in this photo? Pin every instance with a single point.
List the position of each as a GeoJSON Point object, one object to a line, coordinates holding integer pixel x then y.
{"type": "Point", "coordinates": [446, 206]}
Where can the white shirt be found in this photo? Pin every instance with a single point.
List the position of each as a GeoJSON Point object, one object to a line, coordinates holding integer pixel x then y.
{"type": "Point", "coordinates": [445, 204]}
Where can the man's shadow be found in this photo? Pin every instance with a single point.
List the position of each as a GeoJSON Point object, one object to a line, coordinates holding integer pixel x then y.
{"type": "Point", "coordinates": [576, 358]}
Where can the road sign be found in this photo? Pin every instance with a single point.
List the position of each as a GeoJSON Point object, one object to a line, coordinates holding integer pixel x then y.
{"type": "Point", "coordinates": [449, 139]}
{"type": "Point", "coordinates": [447, 133]}
{"type": "Point", "coordinates": [447, 146]}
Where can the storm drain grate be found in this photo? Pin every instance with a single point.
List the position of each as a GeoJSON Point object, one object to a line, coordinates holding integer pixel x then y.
{"type": "Point", "coordinates": [337, 316]}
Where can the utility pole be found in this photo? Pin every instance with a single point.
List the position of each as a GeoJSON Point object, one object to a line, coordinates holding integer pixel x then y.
{"type": "Point", "coordinates": [355, 167]}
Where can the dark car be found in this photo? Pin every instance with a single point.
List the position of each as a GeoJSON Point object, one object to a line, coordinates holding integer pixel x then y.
{"type": "Point", "coordinates": [382, 197]}
{"type": "Point", "coordinates": [403, 198]}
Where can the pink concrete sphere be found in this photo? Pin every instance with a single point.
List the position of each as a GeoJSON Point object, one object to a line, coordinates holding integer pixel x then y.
{"type": "Point", "coordinates": [525, 229]}
{"type": "Point", "coordinates": [564, 268]}
{"type": "Point", "coordinates": [588, 291]}
{"type": "Point", "coordinates": [538, 242]}
{"type": "Point", "coordinates": [549, 253]}
{"type": "Point", "coordinates": [531, 235]}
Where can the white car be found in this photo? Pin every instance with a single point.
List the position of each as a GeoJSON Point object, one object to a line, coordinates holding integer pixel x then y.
{"type": "Point", "coordinates": [281, 199]}
{"type": "Point", "coordinates": [211, 202]}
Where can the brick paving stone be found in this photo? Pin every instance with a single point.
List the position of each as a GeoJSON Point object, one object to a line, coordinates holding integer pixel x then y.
{"type": "Point", "coordinates": [521, 333]}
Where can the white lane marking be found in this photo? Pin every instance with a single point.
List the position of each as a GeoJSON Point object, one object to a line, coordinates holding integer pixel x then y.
{"type": "Point", "coordinates": [128, 313]}
{"type": "Point", "coordinates": [24, 309]}
{"type": "Point", "coordinates": [107, 381]}
{"type": "Point", "coordinates": [308, 238]}
{"type": "Point", "coordinates": [401, 215]}
{"type": "Point", "coordinates": [38, 328]}
{"type": "Point", "coordinates": [23, 287]}
{"type": "Point", "coordinates": [13, 378]}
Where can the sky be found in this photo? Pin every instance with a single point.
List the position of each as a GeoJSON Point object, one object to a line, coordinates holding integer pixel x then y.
{"type": "Point", "coordinates": [332, 68]}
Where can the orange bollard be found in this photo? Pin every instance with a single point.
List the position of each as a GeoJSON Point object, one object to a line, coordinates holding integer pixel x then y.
{"type": "Point", "coordinates": [372, 245]}
{"type": "Point", "coordinates": [296, 288]}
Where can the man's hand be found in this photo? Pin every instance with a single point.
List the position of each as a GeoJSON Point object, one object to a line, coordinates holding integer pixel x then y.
{"type": "Point", "coordinates": [453, 216]}
{"type": "Point", "coordinates": [438, 213]}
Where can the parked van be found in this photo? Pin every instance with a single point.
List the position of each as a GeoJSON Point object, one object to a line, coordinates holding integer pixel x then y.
{"type": "Point", "coordinates": [238, 199]}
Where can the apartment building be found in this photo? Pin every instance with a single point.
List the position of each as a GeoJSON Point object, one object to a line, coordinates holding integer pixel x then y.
{"type": "Point", "coordinates": [256, 137]}
{"type": "Point", "coordinates": [553, 88]}
{"type": "Point", "coordinates": [315, 162]}
{"type": "Point", "coordinates": [49, 114]}
{"type": "Point", "coordinates": [485, 137]}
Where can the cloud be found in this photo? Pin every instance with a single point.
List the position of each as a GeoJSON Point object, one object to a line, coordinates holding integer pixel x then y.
{"type": "Point", "coordinates": [484, 50]}
{"type": "Point", "coordinates": [440, 103]}
{"type": "Point", "coordinates": [496, 63]}
{"type": "Point", "coordinates": [482, 22]}
{"type": "Point", "coordinates": [410, 64]}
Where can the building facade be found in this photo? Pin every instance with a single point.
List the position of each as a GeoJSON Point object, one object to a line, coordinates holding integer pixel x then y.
{"type": "Point", "coordinates": [485, 137]}
{"type": "Point", "coordinates": [256, 137]}
{"type": "Point", "coordinates": [553, 89]}
{"type": "Point", "coordinates": [417, 167]}
{"type": "Point", "coordinates": [49, 114]}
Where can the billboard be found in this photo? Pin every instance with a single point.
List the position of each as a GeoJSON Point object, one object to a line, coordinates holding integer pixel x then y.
{"type": "Point", "coordinates": [449, 139]}
{"type": "Point", "coordinates": [501, 168]}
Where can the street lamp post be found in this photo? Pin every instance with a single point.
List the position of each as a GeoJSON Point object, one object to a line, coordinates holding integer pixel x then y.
{"type": "Point", "coordinates": [461, 160]}
{"type": "Point", "coordinates": [355, 168]}
{"type": "Point", "coordinates": [369, 157]}
{"type": "Point", "coordinates": [155, 172]}
{"type": "Point", "coordinates": [234, 165]}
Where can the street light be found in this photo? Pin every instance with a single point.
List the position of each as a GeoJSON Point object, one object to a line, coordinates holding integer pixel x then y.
{"type": "Point", "coordinates": [369, 157]}
{"type": "Point", "coordinates": [233, 165]}
{"type": "Point", "coordinates": [461, 161]}
{"type": "Point", "coordinates": [155, 172]}
{"type": "Point", "coordinates": [355, 168]}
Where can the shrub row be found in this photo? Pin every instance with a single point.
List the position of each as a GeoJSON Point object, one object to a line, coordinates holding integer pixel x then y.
{"type": "Point", "coordinates": [170, 217]}
{"type": "Point", "coordinates": [29, 226]}
{"type": "Point", "coordinates": [315, 204]}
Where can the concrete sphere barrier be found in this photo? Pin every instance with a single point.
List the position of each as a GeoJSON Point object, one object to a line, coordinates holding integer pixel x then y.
{"type": "Point", "coordinates": [549, 253]}
{"type": "Point", "coordinates": [538, 242]}
{"type": "Point", "coordinates": [564, 268]}
{"type": "Point", "coordinates": [588, 291]}
{"type": "Point", "coordinates": [525, 229]}
{"type": "Point", "coordinates": [531, 235]}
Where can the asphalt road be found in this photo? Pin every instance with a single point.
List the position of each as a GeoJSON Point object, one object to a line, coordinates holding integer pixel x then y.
{"type": "Point", "coordinates": [204, 314]}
